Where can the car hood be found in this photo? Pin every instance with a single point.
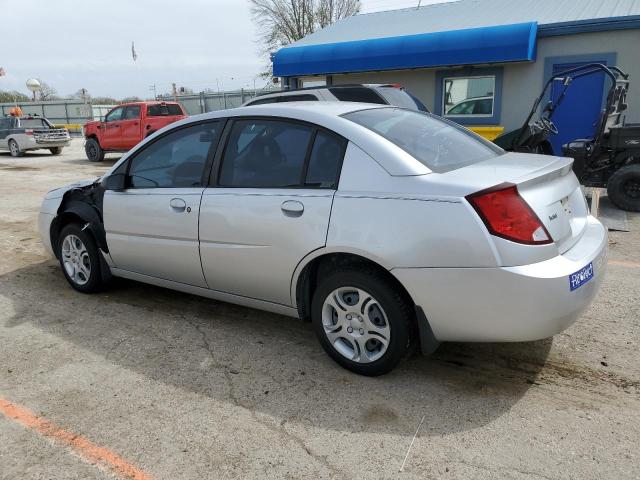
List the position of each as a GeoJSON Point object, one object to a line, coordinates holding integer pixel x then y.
{"type": "Point", "coordinates": [60, 191]}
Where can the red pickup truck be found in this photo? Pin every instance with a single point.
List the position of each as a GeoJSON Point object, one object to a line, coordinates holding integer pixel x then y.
{"type": "Point", "coordinates": [125, 125]}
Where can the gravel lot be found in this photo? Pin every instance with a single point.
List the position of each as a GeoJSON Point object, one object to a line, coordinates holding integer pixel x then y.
{"type": "Point", "coordinates": [184, 387]}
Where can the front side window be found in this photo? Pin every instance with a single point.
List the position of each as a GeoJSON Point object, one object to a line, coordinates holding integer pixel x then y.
{"type": "Point", "coordinates": [265, 153]}
{"type": "Point", "coordinates": [115, 115]}
{"type": "Point", "coordinates": [176, 160]}
{"type": "Point", "coordinates": [439, 144]}
{"type": "Point", "coordinates": [469, 96]}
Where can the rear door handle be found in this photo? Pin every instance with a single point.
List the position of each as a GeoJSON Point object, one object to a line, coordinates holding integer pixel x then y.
{"type": "Point", "coordinates": [178, 204]}
{"type": "Point", "coordinates": [292, 208]}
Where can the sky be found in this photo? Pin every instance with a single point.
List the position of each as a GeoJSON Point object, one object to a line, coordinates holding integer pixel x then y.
{"type": "Point", "coordinates": [74, 44]}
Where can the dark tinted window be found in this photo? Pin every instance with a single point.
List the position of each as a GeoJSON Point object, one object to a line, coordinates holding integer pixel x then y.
{"type": "Point", "coordinates": [439, 144]}
{"type": "Point", "coordinates": [286, 98]}
{"type": "Point", "coordinates": [265, 153]}
{"type": "Point", "coordinates": [132, 112]}
{"type": "Point", "coordinates": [176, 159]}
{"type": "Point", "coordinates": [357, 94]}
{"type": "Point", "coordinates": [5, 123]}
{"type": "Point", "coordinates": [159, 110]}
{"type": "Point", "coordinates": [483, 107]}
{"type": "Point", "coordinates": [325, 161]}
{"type": "Point", "coordinates": [115, 115]}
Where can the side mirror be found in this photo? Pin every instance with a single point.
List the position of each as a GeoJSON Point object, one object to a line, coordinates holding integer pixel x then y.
{"type": "Point", "coordinates": [116, 182]}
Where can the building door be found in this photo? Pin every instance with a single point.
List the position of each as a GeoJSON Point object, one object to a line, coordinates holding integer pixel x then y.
{"type": "Point", "coordinates": [579, 112]}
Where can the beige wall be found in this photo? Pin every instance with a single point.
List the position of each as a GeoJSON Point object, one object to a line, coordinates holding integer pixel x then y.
{"type": "Point", "coordinates": [522, 82]}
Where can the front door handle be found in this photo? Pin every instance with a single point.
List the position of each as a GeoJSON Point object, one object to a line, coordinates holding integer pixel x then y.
{"type": "Point", "coordinates": [178, 204]}
{"type": "Point", "coordinates": [292, 208]}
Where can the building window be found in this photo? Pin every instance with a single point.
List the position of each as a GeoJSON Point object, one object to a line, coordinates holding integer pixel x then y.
{"type": "Point", "coordinates": [470, 96]}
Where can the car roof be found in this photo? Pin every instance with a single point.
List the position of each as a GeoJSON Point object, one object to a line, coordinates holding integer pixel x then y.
{"type": "Point", "coordinates": [328, 115]}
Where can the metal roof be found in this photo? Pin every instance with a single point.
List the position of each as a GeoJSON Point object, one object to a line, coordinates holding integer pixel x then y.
{"type": "Point", "coordinates": [465, 14]}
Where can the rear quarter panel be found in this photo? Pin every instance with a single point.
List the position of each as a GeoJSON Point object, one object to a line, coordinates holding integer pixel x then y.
{"type": "Point", "coordinates": [398, 222]}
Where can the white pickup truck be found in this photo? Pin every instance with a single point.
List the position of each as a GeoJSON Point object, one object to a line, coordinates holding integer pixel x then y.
{"type": "Point", "coordinates": [19, 134]}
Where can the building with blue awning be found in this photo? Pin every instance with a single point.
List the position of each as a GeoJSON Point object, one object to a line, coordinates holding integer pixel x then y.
{"type": "Point", "coordinates": [478, 62]}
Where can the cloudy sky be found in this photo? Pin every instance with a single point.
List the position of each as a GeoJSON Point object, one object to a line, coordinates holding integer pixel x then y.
{"type": "Point", "coordinates": [73, 44]}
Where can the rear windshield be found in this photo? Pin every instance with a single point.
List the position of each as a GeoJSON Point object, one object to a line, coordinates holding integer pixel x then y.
{"type": "Point", "coordinates": [439, 144]}
{"type": "Point", "coordinates": [285, 98]}
{"type": "Point", "coordinates": [401, 98]}
{"type": "Point", "coordinates": [33, 123]}
{"type": "Point", "coordinates": [160, 110]}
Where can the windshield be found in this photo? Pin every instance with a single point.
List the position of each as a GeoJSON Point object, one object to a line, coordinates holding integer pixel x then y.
{"type": "Point", "coordinates": [33, 123]}
{"type": "Point", "coordinates": [437, 143]}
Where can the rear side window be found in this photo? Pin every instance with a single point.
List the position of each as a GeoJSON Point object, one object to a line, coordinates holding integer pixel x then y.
{"type": "Point", "coordinates": [357, 94]}
{"type": "Point", "coordinates": [439, 144]}
{"type": "Point", "coordinates": [159, 110]}
{"type": "Point", "coordinates": [286, 98]}
{"type": "Point", "coordinates": [132, 112]}
{"type": "Point", "coordinates": [265, 153]}
{"type": "Point", "coordinates": [325, 161]}
{"type": "Point", "coordinates": [175, 160]}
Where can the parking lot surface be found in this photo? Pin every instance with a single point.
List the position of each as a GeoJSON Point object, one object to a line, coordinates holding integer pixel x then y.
{"type": "Point", "coordinates": [143, 382]}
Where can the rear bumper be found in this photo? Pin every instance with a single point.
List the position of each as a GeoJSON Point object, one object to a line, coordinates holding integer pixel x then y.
{"type": "Point", "coordinates": [509, 304]}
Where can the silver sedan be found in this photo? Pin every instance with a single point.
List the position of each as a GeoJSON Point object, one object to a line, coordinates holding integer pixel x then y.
{"type": "Point", "coordinates": [386, 228]}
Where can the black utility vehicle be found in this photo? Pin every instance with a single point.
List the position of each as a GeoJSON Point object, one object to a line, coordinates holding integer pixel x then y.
{"type": "Point", "coordinates": [611, 159]}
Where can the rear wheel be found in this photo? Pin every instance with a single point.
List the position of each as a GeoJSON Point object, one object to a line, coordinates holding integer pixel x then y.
{"type": "Point", "coordinates": [14, 149]}
{"type": "Point", "coordinates": [93, 150]}
{"type": "Point", "coordinates": [362, 321]}
{"type": "Point", "coordinates": [56, 150]}
{"type": "Point", "coordinates": [79, 259]}
{"type": "Point", "coordinates": [623, 188]}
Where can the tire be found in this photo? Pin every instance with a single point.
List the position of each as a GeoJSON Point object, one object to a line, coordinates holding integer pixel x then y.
{"type": "Point", "coordinates": [77, 247]}
{"type": "Point", "coordinates": [94, 151]}
{"type": "Point", "coordinates": [379, 310]}
{"type": "Point", "coordinates": [14, 149]}
{"type": "Point", "coordinates": [56, 150]}
{"type": "Point", "coordinates": [623, 188]}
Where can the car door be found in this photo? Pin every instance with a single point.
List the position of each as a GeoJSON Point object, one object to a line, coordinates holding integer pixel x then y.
{"type": "Point", "coordinates": [111, 129]}
{"type": "Point", "coordinates": [5, 125]}
{"type": "Point", "coordinates": [152, 225]}
{"type": "Point", "coordinates": [130, 127]}
{"type": "Point", "coordinates": [269, 205]}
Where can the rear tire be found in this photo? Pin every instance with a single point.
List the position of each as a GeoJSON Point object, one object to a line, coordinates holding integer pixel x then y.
{"type": "Point", "coordinates": [623, 188]}
{"type": "Point", "coordinates": [56, 150]}
{"type": "Point", "coordinates": [14, 149]}
{"type": "Point", "coordinates": [94, 151]}
{"type": "Point", "coordinates": [80, 259]}
{"type": "Point", "coordinates": [362, 320]}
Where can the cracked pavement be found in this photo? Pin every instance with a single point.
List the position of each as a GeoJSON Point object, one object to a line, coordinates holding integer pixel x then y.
{"type": "Point", "coordinates": [185, 387]}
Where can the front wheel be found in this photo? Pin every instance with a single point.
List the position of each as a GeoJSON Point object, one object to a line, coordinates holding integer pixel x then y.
{"type": "Point", "coordinates": [56, 150]}
{"type": "Point", "coordinates": [93, 150]}
{"type": "Point", "coordinates": [14, 149]}
{"type": "Point", "coordinates": [362, 320]}
{"type": "Point", "coordinates": [623, 188]}
{"type": "Point", "coordinates": [79, 259]}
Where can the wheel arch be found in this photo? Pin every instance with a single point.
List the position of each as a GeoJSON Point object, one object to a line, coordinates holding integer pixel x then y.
{"type": "Point", "coordinates": [82, 213]}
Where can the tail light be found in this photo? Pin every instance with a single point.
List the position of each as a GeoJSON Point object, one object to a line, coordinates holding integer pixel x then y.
{"type": "Point", "coordinates": [28, 131]}
{"type": "Point", "coordinates": [507, 215]}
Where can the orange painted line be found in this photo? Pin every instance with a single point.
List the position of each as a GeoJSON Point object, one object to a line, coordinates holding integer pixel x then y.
{"type": "Point", "coordinates": [86, 449]}
{"type": "Point", "coordinates": [622, 263]}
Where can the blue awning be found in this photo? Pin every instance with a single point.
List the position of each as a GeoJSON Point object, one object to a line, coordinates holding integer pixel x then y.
{"type": "Point", "coordinates": [504, 43]}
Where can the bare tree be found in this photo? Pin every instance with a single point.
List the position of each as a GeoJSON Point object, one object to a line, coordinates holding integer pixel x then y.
{"type": "Point", "coordinates": [47, 92]}
{"type": "Point", "coordinates": [281, 22]}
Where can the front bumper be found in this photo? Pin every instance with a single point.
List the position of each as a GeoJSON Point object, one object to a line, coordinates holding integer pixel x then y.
{"type": "Point", "coordinates": [509, 304]}
{"type": "Point", "coordinates": [44, 227]}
